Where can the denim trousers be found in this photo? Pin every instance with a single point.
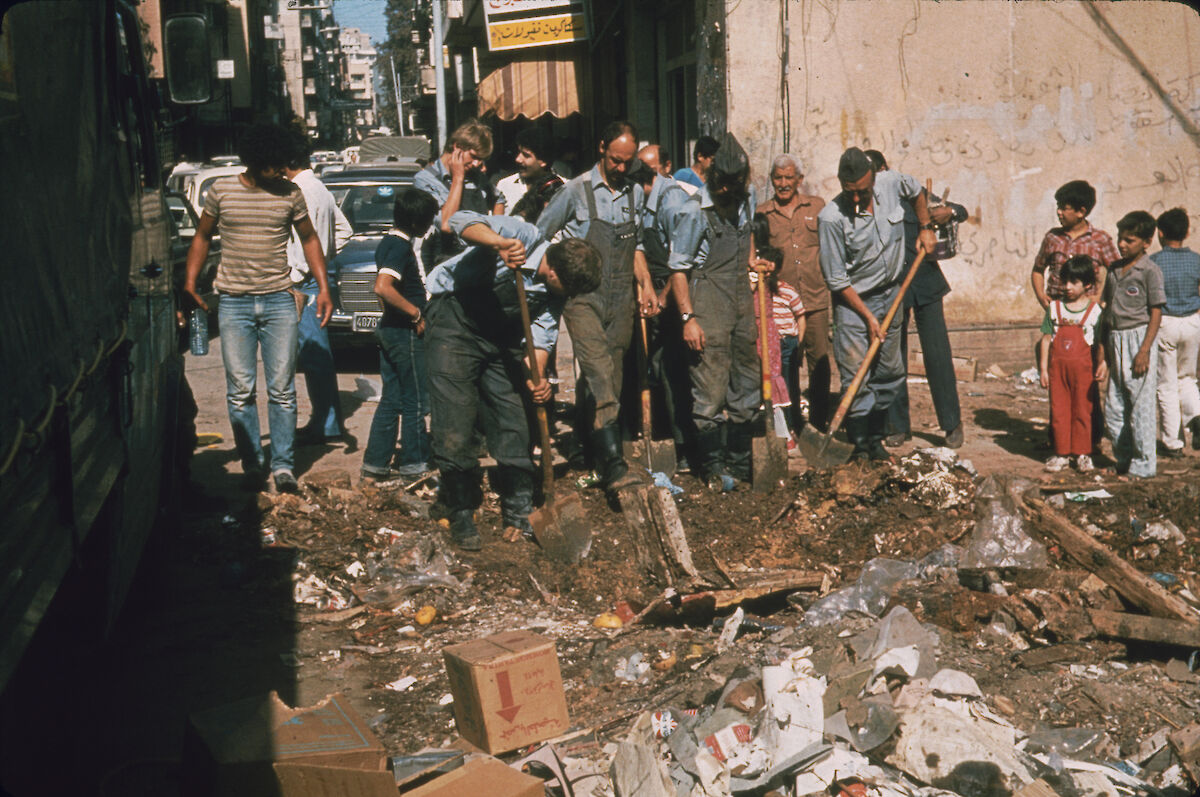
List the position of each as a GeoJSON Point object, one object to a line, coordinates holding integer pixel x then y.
{"type": "Point", "coordinates": [850, 343]}
{"type": "Point", "coordinates": [247, 323]}
{"type": "Point", "coordinates": [403, 405]}
{"type": "Point", "coordinates": [315, 361]}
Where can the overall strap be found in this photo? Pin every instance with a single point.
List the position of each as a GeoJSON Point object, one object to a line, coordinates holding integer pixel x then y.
{"type": "Point", "coordinates": [591, 200]}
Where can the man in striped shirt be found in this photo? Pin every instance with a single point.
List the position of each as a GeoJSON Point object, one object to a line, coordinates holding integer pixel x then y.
{"type": "Point", "coordinates": [256, 212]}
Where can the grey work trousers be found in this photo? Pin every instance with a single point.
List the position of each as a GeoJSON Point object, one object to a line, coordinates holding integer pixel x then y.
{"type": "Point", "coordinates": [850, 342]}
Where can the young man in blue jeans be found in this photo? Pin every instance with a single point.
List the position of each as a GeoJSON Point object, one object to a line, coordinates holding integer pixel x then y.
{"type": "Point", "coordinates": [256, 212]}
{"type": "Point", "coordinates": [405, 400]}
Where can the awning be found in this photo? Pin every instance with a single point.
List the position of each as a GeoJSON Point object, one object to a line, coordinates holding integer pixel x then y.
{"type": "Point", "coordinates": [530, 89]}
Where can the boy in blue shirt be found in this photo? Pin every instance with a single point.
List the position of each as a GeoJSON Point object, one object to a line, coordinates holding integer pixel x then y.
{"type": "Point", "coordinates": [405, 400]}
{"type": "Point", "coordinates": [1179, 337]}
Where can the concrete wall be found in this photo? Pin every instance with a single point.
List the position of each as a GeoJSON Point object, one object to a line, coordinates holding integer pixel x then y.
{"type": "Point", "coordinates": [1002, 102]}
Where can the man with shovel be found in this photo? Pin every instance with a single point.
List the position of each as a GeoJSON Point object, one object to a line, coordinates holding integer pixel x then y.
{"type": "Point", "coordinates": [477, 369]}
{"type": "Point", "coordinates": [717, 309]}
{"type": "Point", "coordinates": [862, 259]}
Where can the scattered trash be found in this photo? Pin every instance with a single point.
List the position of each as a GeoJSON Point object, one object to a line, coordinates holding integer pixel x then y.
{"type": "Point", "coordinates": [608, 620]}
{"type": "Point", "coordinates": [1086, 495]}
{"type": "Point", "coordinates": [268, 537]}
{"type": "Point", "coordinates": [1163, 531]}
{"type": "Point", "coordinates": [999, 538]}
{"type": "Point", "coordinates": [401, 684]}
{"type": "Point", "coordinates": [663, 480]}
{"type": "Point", "coordinates": [426, 615]}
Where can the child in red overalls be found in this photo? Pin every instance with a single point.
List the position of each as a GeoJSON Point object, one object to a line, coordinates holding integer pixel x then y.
{"type": "Point", "coordinates": [1070, 366]}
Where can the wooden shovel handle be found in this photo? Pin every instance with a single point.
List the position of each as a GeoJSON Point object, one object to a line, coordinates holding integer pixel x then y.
{"type": "Point", "coordinates": [764, 353]}
{"type": "Point", "coordinates": [643, 364]}
{"type": "Point", "coordinates": [536, 372]}
{"type": "Point", "coordinates": [852, 390]}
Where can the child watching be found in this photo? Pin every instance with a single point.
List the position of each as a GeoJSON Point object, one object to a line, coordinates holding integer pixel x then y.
{"type": "Point", "coordinates": [1179, 336]}
{"type": "Point", "coordinates": [1071, 364]}
{"type": "Point", "coordinates": [787, 310]}
{"type": "Point", "coordinates": [1133, 298]}
{"type": "Point", "coordinates": [1074, 236]}
{"type": "Point", "coordinates": [405, 400]}
{"type": "Point", "coordinates": [780, 398]}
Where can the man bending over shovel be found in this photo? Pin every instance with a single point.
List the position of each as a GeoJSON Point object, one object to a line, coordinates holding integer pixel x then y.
{"type": "Point", "coordinates": [477, 369]}
{"type": "Point", "coordinates": [861, 235]}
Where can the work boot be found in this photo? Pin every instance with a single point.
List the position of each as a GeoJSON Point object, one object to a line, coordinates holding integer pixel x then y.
{"type": "Point", "coordinates": [876, 431]}
{"type": "Point", "coordinates": [611, 466]}
{"type": "Point", "coordinates": [516, 498]}
{"type": "Point", "coordinates": [709, 464]}
{"type": "Point", "coordinates": [459, 493]}
{"type": "Point", "coordinates": [463, 532]}
{"type": "Point", "coordinates": [856, 432]}
{"type": "Point", "coordinates": [740, 441]}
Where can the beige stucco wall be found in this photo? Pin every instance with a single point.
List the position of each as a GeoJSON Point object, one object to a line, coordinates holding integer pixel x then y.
{"type": "Point", "coordinates": [1001, 102]}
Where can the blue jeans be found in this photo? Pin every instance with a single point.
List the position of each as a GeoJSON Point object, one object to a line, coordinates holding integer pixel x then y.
{"type": "Point", "coordinates": [246, 322]}
{"type": "Point", "coordinates": [850, 343]}
{"type": "Point", "coordinates": [403, 405]}
{"type": "Point", "coordinates": [315, 361]}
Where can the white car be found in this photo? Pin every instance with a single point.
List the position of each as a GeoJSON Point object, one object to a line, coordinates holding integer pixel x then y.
{"type": "Point", "coordinates": [195, 186]}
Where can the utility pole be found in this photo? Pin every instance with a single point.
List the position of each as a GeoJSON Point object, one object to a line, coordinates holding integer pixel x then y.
{"type": "Point", "coordinates": [399, 102]}
{"type": "Point", "coordinates": [435, 52]}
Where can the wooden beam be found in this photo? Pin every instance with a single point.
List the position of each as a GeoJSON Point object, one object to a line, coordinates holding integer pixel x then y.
{"type": "Point", "coordinates": [1121, 625]}
{"type": "Point", "coordinates": [1134, 585]}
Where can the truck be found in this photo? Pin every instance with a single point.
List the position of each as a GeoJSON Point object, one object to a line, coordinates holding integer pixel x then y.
{"type": "Point", "coordinates": [90, 443]}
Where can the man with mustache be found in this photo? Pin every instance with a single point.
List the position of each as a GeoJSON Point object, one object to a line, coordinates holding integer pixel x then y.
{"type": "Point", "coordinates": [256, 212]}
{"type": "Point", "coordinates": [862, 258]}
{"type": "Point", "coordinates": [604, 208]}
{"type": "Point", "coordinates": [716, 306]}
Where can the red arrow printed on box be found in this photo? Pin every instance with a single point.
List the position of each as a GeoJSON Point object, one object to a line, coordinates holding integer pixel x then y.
{"type": "Point", "coordinates": [507, 709]}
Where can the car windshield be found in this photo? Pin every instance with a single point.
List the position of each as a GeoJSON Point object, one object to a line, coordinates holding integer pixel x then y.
{"type": "Point", "coordinates": [368, 207]}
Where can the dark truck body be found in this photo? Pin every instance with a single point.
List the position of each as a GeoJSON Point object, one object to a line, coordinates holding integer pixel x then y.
{"type": "Point", "coordinates": [88, 342]}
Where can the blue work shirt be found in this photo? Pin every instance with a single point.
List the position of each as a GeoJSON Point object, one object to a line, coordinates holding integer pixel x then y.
{"type": "Point", "coordinates": [694, 237]}
{"type": "Point", "coordinates": [435, 180]}
{"type": "Point", "coordinates": [866, 250]}
{"type": "Point", "coordinates": [669, 218]}
{"type": "Point", "coordinates": [480, 267]}
{"type": "Point", "coordinates": [568, 211]}
{"type": "Point", "coordinates": [689, 176]}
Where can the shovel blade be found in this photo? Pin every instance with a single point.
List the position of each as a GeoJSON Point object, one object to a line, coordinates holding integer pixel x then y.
{"type": "Point", "coordinates": [662, 457]}
{"type": "Point", "coordinates": [821, 450]}
{"type": "Point", "coordinates": [635, 451]}
{"type": "Point", "coordinates": [768, 464]}
{"type": "Point", "coordinates": [562, 529]}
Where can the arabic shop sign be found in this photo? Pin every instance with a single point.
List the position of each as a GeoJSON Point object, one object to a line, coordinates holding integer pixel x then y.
{"type": "Point", "coordinates": [511, 24]}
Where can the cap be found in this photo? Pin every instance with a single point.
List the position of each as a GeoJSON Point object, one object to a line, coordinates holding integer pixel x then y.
{"type": "Point", "coordinates": [854, 165]}
{"type": "Point", "coordinates": [731, 159]}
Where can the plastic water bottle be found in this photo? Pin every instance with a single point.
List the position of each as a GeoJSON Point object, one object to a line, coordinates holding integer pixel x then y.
{"type": "Point", "coordinates": [198, 332]}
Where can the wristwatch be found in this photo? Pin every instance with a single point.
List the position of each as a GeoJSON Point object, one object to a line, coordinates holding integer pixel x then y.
{"type": "Point", "coordinates": [929, 226]}
{"type": "Point", "coordinates": [685, 317]}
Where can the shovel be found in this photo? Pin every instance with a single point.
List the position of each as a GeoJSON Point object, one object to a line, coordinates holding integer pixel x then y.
{"type": "Point", "coordinates": [768, 463]}
{"type": "Point", "coordinates": [559, 525]}
{"type": "Point", "coordinates": [815, 446]}
{"type": "Point", "coordinates": [656, 455]}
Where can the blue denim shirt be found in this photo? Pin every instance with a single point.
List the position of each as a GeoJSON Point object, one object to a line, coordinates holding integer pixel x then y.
{"type": "Point", "coordinates": [434, 180]}
{"type": "Point", "coordinates": [693, 236]}
{"type": "Point", "coordinates": [568, 211]}
{"type": "Point", "coordinates": [479, 266]}
{"type": "Point", "coordinates": [670, 227]}
{"type": "Point", "coordinates": [866, 250]}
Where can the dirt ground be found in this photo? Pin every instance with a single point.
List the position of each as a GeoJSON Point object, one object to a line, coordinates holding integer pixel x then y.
{"type": "Point", "coordinates": [214, 617]}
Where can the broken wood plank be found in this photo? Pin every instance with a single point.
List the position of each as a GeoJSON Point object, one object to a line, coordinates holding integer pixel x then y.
{"type": "Point", "coordinates": [1122, 625]}
{"type": "Point", "coordinates": [661, 545]}
{"type": "Point", "coordinates": [1134, 585]}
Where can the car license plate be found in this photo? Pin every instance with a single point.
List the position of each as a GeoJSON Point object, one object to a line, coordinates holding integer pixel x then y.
{"type": "Point", "coordinates": [366, 322]}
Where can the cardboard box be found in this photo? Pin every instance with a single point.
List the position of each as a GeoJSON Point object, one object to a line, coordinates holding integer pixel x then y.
{"type": "Point", "coordinates": [479, 778]}
{"type": "Point", "coordinates": [507, 690]}
{"type": "Point", "coordinates": [259, 746]}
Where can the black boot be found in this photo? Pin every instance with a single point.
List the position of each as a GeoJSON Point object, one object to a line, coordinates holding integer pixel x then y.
{"type": "Point", "coordinates": [611, 466]}
{"type": "Point", "coordinates": [856, 432]}
{"type": "Point", "coordinates": [516, 497]}
{"type": "Point", "coordinates": [740, 440]}
{"type": "Point", "coordinates": [460, 493]}
{"type": "Point", "coordinates": [709, 464]}
{"type": "Point", "coordinates": [876, 431]}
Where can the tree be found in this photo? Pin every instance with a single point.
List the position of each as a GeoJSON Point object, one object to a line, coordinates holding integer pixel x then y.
{"type": "Point", "coordinates": [403, 18]}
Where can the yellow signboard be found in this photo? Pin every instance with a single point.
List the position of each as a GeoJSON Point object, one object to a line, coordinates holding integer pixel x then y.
{"type": "Point", "coordinates": [536, 31]}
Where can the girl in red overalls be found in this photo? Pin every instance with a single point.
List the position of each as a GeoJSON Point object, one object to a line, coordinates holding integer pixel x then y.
{"type": "Point", "coordinates": [1070, 365]}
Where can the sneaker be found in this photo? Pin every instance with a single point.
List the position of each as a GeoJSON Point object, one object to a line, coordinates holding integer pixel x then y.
{"type": "Point", "coordinates": [955, 438]}
{"type": "Point", "coordinates": [380, 476]}
{"type": "Point", "coordinates": [285, 482]}
{"type": "Point", "coordinates": [1083, 464]}
{"type": "Point", "coordinates": [1056, 464]}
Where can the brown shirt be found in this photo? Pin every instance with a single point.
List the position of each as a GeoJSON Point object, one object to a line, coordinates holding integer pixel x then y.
{"type": "Point", "coordinates": [797, 238]}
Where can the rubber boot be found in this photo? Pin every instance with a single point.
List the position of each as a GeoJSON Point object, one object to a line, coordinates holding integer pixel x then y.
{"type": "Point", "coordinates": [516, 498]}
{"type": "Point", "coordinates": [460, 493]}
{"type": "Point", "coordinates": [709, 465]}
{"type": "Point", "coordinates": [876, 432]}
{"type": "Point", "coordinates": [740, 440]}
{"type": "Point", "coordinates": [856, 432]}
{"type": "Point", "coordinates": [610, 460]}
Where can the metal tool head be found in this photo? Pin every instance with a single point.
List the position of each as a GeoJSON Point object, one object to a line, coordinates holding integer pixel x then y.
{"type": "Point", "coordinates": [768, 463]}
{"type": "Point", "coordinates": [561, 529]}
{"type": "Point", "coordinates": [821, 451]}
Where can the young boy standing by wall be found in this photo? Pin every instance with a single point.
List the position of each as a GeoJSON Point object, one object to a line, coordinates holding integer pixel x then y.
{"type": "Point", "coordinates": [1071, 364]}
{"type": "Point", "coordinates": [1179, 338]}
{"type": "Point", "coordinates": [1133, 298]}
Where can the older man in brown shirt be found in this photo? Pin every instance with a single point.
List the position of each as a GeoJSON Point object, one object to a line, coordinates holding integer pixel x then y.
{"type": "Point", "coordinates": [792, 217]}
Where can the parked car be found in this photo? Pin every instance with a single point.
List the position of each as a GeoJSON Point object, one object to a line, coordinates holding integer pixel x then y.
{"type": "Point", "coordinates": [195, 186]}
{"type": "Point", "coordinates": [184, 222]}
{"type": "Point", "coordinates": [366, 194]}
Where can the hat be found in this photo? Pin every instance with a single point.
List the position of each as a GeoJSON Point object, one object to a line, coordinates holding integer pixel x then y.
{"type": "Point", "coordinates": [731, 159]}
{"type": "Point", "coordinates": [638, 171]}
{"type": "Point", "coordinates": [854, 165]}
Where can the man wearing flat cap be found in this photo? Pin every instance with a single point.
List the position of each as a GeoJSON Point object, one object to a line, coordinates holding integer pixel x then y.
{"type": "Point", "coordinates": [862, 259]}
{"type": "Point", "coordinates": [716, 306]}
